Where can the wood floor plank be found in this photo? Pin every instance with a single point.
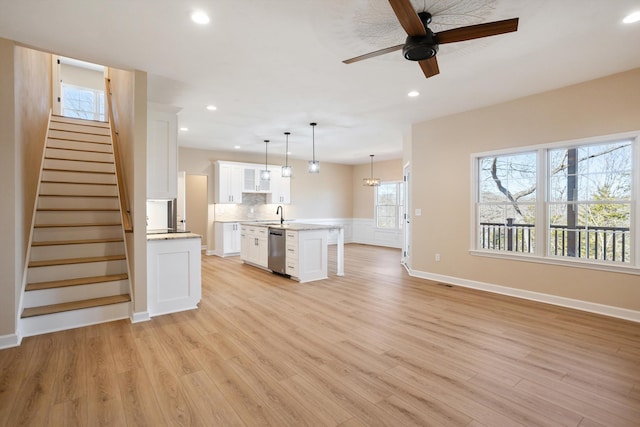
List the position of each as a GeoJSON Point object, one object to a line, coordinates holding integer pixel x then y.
{"type": "Point", "coordinates": [375, 347]}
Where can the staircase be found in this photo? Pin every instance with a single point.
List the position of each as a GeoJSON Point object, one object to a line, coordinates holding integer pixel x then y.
{"type": "Point", "coordinates": [77, 271]}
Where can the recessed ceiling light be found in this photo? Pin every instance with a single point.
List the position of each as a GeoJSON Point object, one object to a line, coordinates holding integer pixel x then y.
{"type": "Point", "coordinates": [199, 17]}
{"type": "Point", "coordinates": [413, 93]}
{"type": "Point", "coordinates": [631, 18]}
{"type": "Point", "coordinates": [237, 147]}
{"type": "Point", "coordinates": [184, 129]}
{"type": "Point", "coordinates": [211, 107]}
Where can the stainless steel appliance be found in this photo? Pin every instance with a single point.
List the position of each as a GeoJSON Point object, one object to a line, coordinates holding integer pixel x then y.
{"type": "Point", "coordinates": [277, 251]}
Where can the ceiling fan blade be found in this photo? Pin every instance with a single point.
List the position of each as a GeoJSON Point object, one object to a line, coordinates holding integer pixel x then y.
{"type": "Point", "coordinates": [408, 17]}
{"type": "Point", "coordinates": [477, 31]}
{"type": "Point", "coordinates": [430, 67]}
{"type": "Point", "coordinates": [373, 54]}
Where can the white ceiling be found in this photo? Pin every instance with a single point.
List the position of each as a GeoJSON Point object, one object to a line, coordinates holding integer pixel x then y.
{"type": "Point", "coordinates": [274, 66]}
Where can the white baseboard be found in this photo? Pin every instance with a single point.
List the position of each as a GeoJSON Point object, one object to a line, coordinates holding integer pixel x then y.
{"type": "Point", "coordinates": [607, 310]}
{"type": "Point", "coordinates": [209, 252]}
{"type": "Point", "coordinates": [8, 341]}
{"type": "Point", "coordinates": [140, 317]}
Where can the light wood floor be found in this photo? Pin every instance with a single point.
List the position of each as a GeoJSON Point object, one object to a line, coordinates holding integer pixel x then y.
{"type": "Point", "coordinates": [375, 347]}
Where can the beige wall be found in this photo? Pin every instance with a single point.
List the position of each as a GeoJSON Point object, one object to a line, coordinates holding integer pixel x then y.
{"type": "Point", "coordinates": [129, 90]}
{"type": "Point", "coordinates": [196, 205]}
{"type": "Point", "coordinates": [25, 84]}
{"type": "Point", "coordinates": [9, 208]}
{"type": "Point", "coordinates": [363, 197]}
{"type": "Point", "coordinates": [82, 77]}
{"type": "Point", "coordinates": [441, 153]}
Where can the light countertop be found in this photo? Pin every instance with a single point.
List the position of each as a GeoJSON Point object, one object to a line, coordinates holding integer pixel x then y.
{"type": "Point", "coordinates": [173, 236]}
{"type": "Point", "coordinates": [295, 226]}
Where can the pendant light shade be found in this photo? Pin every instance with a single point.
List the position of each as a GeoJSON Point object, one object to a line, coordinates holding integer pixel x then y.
{"type": "Point", "coordinates": [314, 165]}
{"type": "Point", "coordinates": [371, 182]}
{"type": "Point", "coordinates": [265, 174]}
{"type": "Point", "coordinates": [286, 169]}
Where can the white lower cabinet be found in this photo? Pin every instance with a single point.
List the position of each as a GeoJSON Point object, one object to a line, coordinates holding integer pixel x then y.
{"type": "Point", "coordinates": [227, 238]}
{"type": "Point", "coordinates": [254, 245]}
{"type": "Point", "coordinates": [306, 258]}
{"type": "Point", "coordinates": [174, 278]}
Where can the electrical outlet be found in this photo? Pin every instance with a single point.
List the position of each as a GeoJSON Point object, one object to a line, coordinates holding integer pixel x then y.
{"type": "Point", "coordinates": [437, 257]}
{"type": "Point", "coordinates": [418, 212]}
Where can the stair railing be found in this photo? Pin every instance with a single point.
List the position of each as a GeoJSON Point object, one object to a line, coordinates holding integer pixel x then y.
{"type": "Point", "coordinates": [122, 188]}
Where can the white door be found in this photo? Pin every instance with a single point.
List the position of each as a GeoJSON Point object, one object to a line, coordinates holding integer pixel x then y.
{"type": "Point", "coordinates": [181, 201]}
{"type": "Point", "coordinates": [406, 245]}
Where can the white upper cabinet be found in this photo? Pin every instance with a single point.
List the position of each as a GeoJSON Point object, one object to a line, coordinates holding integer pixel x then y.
{"type": "Point", "coordinates": [228, 187]}
{"type": "Point", "coordinates": [280, 187]}
{"type": "Point", "coordinates": [162, 152]}
{"type": "Point", "coordinates": [252, 182]}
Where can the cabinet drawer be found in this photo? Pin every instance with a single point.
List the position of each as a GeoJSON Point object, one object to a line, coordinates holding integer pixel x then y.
{"type": "Point", "coordinates": [261, 231]}
{"type": "Point", "coordinates": [292, 236]}
{"type": "Point", "coordinates": [292, 268]}
{"type": "Point", "coordinates": [292, 252]}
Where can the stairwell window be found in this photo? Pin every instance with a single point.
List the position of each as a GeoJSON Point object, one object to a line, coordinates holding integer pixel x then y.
{"type": "Point", "coordinates": [575, 202]}
{"type": "Point", "coordinates": [82, 102]}
{"type": "Point", "coordinates": [389, 205]}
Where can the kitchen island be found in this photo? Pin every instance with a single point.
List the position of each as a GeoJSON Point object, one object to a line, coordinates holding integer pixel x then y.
{"type": "Point", "coordinates": [174, 278]}
{"type": "Point", "coordinates": [305, 248]}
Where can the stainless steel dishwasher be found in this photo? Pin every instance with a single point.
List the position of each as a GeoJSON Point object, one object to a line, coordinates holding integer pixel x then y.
{"type": "Point", "coordinates": [277, 251]}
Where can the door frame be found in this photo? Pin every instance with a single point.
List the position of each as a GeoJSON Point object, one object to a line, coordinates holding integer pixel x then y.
{"type": "Point", "coordinates": [406, 241]}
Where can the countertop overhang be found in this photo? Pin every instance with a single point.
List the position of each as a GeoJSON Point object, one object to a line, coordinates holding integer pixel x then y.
{"type": "Point", "coordinates": [173, 236]}
{"type": "Point", "coordinates": [295, 226]}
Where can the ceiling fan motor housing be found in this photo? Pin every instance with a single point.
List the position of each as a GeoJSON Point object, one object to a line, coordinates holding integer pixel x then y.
{"type": "Point", "coordinates": [418, 48]}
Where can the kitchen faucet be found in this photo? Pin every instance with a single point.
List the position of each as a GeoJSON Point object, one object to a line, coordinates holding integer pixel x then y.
{"type": "Point", "coordinates": [280, 211]}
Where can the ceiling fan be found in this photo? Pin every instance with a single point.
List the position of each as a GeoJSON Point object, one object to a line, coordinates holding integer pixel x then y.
{"type": "Point", "coordinates": [422, 43]}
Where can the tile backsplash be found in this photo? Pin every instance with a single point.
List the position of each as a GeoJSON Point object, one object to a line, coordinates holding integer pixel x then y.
{"type": "Point", "coordinates": [253, 207]}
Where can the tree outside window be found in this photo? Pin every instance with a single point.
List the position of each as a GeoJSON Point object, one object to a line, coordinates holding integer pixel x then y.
{"type": "Point", "coordinates": [82, 103]}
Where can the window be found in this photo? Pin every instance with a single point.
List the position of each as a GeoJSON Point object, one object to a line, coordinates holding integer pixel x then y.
{"type": "Point", "coordinates": [82, 102]}
{"type": "Point", "coordinates": [389, 205]}
{"type": "Point", "coordinates": [562, 202]}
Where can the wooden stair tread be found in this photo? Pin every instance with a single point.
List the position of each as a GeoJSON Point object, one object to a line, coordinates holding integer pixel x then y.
{"type": "Point", "coordinates": [106, 162]}
{"type": "Point", "coordinates": [77, 182]}
{"type": "Point", "coordinates": [80, 150]}
{"type": "Point", "coordinates": [70, 261]}
{"type": "Point", "coordinates": [78, 171]}
{"type": "Point", "coordinates": [76, 242]}
{"type": "Point", "coordinates": [75, 305]}
{"type": "Point", "coordinates": [94, 224]}
{"type": "Point", "coordinates": [75, 282]}
{"type": "Point", "coordinates": [79, 140]}
{"type": "Point", "coordinates": [65, 119]}
{"type": "Point", "coordinates": [76, 195]}
{"type": "Point", "coordinates": [78, 209]}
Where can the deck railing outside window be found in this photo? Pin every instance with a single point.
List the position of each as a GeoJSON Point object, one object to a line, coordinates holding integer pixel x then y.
{"type": "Point", "coordinates": [599, 243]}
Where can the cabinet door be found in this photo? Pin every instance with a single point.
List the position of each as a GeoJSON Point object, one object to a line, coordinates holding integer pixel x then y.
{"type": "Point", "coordinates": [162, 154]}
{"type": "Point", "coordinates": [249, 180]}
{"type": "Point", "coordinates": [246, 242]}
{"type": "Point", "coordinates": [228, 183]}
{"type": "Point", "coordinates": [262, 252]}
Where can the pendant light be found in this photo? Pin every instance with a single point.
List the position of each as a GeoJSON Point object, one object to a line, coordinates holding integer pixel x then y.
{"type": "Point", "coordinates": [371, 182]}
{"type": "Point", "coordinates": [286, 169]}
{"type": "Point", "coordinates": [265, 174]}
{"type": "Point", "coordinates": [314, 165]}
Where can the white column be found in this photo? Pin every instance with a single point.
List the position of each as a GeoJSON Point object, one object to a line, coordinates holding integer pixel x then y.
{"type": "Point", "coordinates": [340, 252]}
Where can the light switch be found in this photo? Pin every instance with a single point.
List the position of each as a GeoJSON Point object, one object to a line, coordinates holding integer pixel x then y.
{"type": "Point", "coordinates": [418, 212]}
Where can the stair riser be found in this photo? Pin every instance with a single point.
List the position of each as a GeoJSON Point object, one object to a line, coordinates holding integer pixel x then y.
{"type": "Point", "coordinates": [79, 155]}
{"type": "Point", "coordinates": [75, 271]}
{"type": "Point", "coordinates": [45, 253]}
{"type": "Point", "coordinates": [79, 217]}
{"type": "Point", "coordinates": [77, 136]}
{"type": "Point", "coordinates": [77, 145]}
{"type": "Point", "coordinates": [77, 203]}
{"type": "Point", "coordinates": [74, 189]}
{"type": "Point", "coordinates": [75, 293]}
{"type": "Point", "coordinates": [76, 127]}
{"type": "Point", "coordinates": [79, 166]}
{"type": "Point", "coordinates": [74, 319]}
{"type": "Point", "coordinates": [97, 178]}
{"type": "Point", "coordinates": [76, 233]}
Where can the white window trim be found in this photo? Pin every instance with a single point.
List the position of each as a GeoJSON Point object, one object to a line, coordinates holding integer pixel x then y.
{"type": "Point", "coordinates": [540, 255]}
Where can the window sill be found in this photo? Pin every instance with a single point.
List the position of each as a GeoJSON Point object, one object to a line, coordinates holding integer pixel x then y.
{"type": "Point", "coordinates": [577, 263]}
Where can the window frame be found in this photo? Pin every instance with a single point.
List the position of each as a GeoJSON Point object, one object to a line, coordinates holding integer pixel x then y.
{"type": "Point", "coordinates": [542, 253]}
{"type": "Point", "coordinates": [399, 206]}
{"type": "Point", "coordinates": [97, 104]}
